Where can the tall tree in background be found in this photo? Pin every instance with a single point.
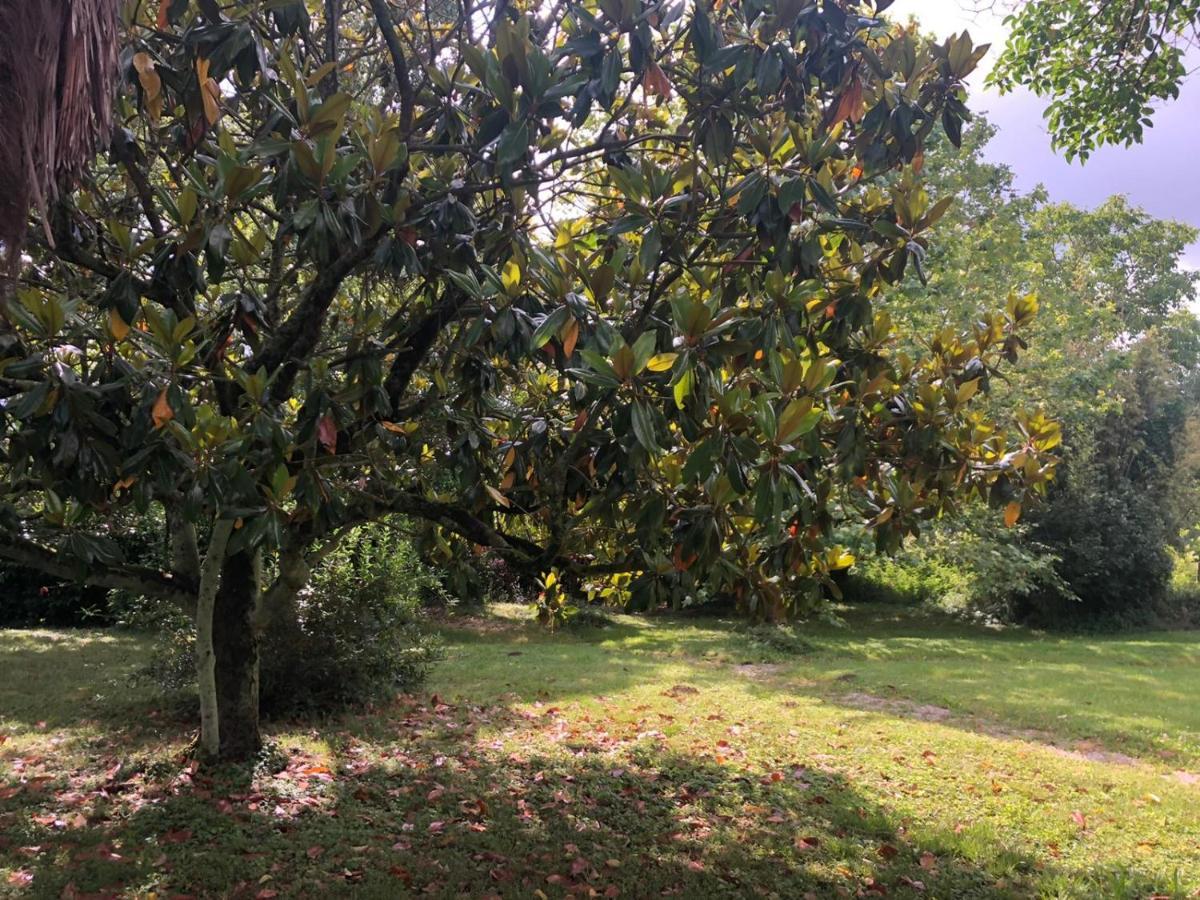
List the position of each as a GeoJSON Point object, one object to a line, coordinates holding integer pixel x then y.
{"type": "Point", "coordinates": [1102, 64]}
{"type": "Point", "coordinates": [1112, 354]}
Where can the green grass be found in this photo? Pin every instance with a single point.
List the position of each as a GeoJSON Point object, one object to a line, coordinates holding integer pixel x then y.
{"type": "Point", "coordinates": [652, 757]}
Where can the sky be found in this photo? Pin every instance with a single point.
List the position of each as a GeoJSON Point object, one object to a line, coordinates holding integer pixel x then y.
{"type": "Point", "coordinates": [1149, 174]}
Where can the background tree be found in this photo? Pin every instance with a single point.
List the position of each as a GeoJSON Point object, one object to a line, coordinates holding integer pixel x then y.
{"type": "Point", "coordinates": [1112, 354]}
{"type": "Point", "coordinates": [594, 286]}
{"type": "Point", "coordinates": [1103, 64]}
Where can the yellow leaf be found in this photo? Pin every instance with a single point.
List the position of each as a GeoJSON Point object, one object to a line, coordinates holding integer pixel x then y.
{"type": "Point", "coordinates": [661, 362]}
{"type": "Point", "coordinates": [151, 85]}
{"type": "Point", "coordinates": [511, 276]}
{"type": "Point", "coordinates": [496, 495]}
{"type": "Point", "coordinates": [210, 91]}
{"type": "Point", "coordinates": [1012, 513]}
{"type": "Point", "coordinates": [843, 560]}
{"type": "Point", "coordinates": [118, 326]}
{"type": "Point", "coordinates": [162, 412]}
{"type": "Point", "coordinates": [966, 391]}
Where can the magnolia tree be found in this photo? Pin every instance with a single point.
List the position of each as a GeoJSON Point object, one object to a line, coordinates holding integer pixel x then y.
{"type": "Point", "coordinates": [600, 286]}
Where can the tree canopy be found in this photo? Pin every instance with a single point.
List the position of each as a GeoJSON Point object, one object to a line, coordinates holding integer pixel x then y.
{"type": "Point", "coordinates": [598, 286]}
{"type": "Point", "coordinates": [1112, 353]}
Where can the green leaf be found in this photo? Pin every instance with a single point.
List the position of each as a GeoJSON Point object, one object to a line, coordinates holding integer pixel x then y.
{"type": "Point", "coordinates": [643, 350]}
{"type": "Point", "coordinates": [648, 253]}
{"type": "Point", "coordinates": [327, 116]}
{"type": "Point", "coordinates": [465, 282]}
{"type": "Point", "coordinates": [549, 327]}
{"type": "Point", "coordinates": [642, 420]}
{"type": "Point", "coordinates": [798, 419]}
{"type": "Point", "coordinates": [514, 142]}
{"type": "Point", "coordinates": [683, 387]}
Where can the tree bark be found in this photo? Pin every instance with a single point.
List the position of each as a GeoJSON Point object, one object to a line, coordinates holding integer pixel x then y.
{"type": "Point", "coordinates": [206, 657]}
{"type": "Point", "coordinates": [185, 551]}
{"type": "Point", "coordinates": [235, 644]}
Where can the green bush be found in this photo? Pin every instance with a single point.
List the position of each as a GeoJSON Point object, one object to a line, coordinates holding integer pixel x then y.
{"type": "Point", "coordinates": [782, 639]}
{"type": "Point", "coordinates": [1113, 550]}
{"type": "Point", "coordinates": [355, 636]}
{"type": "Point", "coordinates": [971, 564]}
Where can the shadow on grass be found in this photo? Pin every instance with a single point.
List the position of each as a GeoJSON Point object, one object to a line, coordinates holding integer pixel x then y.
{"type": "Point", "coordinates": [451, 799]}
{"type": "Point", "coordinates": [427, 798]}
{"type": "Point", "coordinates": [68, 679]}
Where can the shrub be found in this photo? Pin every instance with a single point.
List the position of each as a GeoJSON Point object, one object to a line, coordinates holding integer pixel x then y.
{"type": "Point", "coordinates": [1113, 550]}
{"type": "Point", "coordinates": [32, 598]}
{"type": "Point", "coordinates": [781, 639]}
{"type": "Point", "coordinates": [355, 635]}
{"type": "Point", "coordinates": [970, 564]}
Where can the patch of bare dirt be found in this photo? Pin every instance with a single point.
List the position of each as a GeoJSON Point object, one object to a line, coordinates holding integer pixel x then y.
{"type": "Point", "coordinates": [759, 670]}
{"type": "Point", "coordinates": [925, 712]}
{"type": "Point", "coordinates": [1093, 752]}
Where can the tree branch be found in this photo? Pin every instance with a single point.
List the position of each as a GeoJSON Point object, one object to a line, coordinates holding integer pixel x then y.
{"type": "Point", "coordinates": [137, 579]}
{"type": "Point", "coordinates": [403, 84]}
{"type": "Point", "coordinates": [295, 339]}
{"type": "Point", "coordinates": [418, 342]}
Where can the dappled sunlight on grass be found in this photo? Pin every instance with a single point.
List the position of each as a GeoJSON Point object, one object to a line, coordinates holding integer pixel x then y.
{"type": "Point", "coordinates": [647, 757]}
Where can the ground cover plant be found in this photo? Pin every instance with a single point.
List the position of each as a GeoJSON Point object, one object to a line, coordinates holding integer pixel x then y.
{"type": "Point", "coordinates": [905, 756]}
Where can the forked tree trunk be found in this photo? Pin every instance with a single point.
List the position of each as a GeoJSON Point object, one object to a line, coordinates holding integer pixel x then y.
{"type": "Point", "coordinates": [235, 644]}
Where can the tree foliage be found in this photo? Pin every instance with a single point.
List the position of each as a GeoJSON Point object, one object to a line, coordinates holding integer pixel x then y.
{"type": "Point", "coordinates": [595, 285]}
{"type": "Point", "coordinates": [1103, 64]}
{"type": "Point", "coordinates": [1112, 354]}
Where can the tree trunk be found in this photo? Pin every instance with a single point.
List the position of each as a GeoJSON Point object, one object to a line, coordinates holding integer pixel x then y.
{"type": "Point", "coordinates": [235, 644]}
{"type": "Point", "coordinates": [206, 658]}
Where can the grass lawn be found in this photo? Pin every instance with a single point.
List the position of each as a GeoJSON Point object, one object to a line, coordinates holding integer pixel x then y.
{"type": "Point", "coordinates": [902, 756]}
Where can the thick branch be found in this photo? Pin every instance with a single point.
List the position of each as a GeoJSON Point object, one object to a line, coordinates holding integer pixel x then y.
{"type": "Point", "coordinates": [296, 338]}
{"type": "Point", "coordinates": [185, 551]}
{"type": "Point", "coordinates": [136, 579]}
{"type": "Point", "coordinates": [418, 342]}
{"type": "Point", "coordinates": [206, 659]}
{"type": "Point", "coordinates": [403, 84]}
